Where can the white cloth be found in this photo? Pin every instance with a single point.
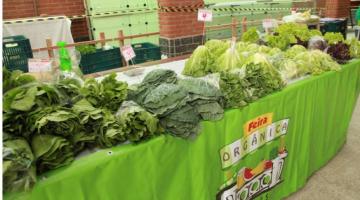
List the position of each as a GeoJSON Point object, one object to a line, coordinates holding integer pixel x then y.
{"type": "Point", "coordinates": [38, 31]}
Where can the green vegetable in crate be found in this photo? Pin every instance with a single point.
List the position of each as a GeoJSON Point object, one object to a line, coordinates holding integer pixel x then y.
{"type": "Point", "coordinates": [229, 60]}
{"type": "Point", "coordinates": [199, 64]}
{"type": "Point", "coordinates": [51, 152]}
{"type": "Point", "coordinates": [294, 51]}
{"type": "Point", "coordinates": [183, 122]}
{"type": "Point", "coordinates": [86, 49]}
{"type": "Point", "coordinates": [333, 38]}
{"type": "Point", "coordinates": [53, 120]}
{"type": "Point", "coordinates": [205, 97]}
{"type": "Point", "coordinates": [19, 172]}
{"type": "Point", "coordinates": [262, 77]}
{"type": "Point", "coordinates": [14, 79]}
{"type": "Point", "coordinates": [165, 98]}
{"type": "Point", "coordinates": [251, 36]}
{"type": "Point", "coordinates": [234, 87]}
{"type": "Point", "coordinates": [137, 123]}
{"type": "Point", "coordinates": [111, 132]}
{"type": "Point", "coordinates": [151, 81]}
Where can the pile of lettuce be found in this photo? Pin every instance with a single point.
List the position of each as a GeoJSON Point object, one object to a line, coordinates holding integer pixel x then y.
{"type": "Point", "coordinates": [46, 125]}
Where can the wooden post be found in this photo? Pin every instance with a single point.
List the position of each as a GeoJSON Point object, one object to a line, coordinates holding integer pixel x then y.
{"type": "Point", "coordinates": [234, 27]}
{"type": "Point", "coordinates": [244, 24]}
{"type": "Point", "coordinates": [122, 43]}
{"type": "Point", "coordinates": [102, 37]}
{"type": "Point", "coordinates": [49, 45]}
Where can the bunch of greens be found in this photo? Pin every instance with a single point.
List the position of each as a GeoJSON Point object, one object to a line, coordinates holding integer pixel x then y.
{"type": "Point", "coordinates": [229, 60]}
{"type": "Point", "coordinates": [317, 42]}
{"type": "Point", "coordinates": [294, 32]}
{"type": "Point", "coordinates": [53, 120]}
{"type": "Point", "coordinates": [251, 36]}
{"type": "Point", "coordinates": [153, 79]}
{"type": "Point", "coordinates": [234, 88]}
{"type": "Point", "coordinates": [183, 122]}
{"type": "Point", "coordinates": [86, 49]}
{"type": "Point", "coordinates": [165, 98]}
{"type": "Point", "coordinates": [315, 62]}
{"type": "Point", "coordinates": [109, 93]}
{"type": "Point", "coordinates": [333, 38]}
{"type": "Point", "coordinates": [288, 68]}
{"type": "Point", "coordinates": [70, 89]}
{"type": "Point", "coordinates": [51, 152]}
{"type": "Point", "coordinates": [199, 64]}
{"type": "Point", "coordinates": [15, 79]}
{"type": "Point", "coordinates": [18, 166]}
{"type": "Point", "coordinates": [294, 51]}
{"type": "Point", "coordinates": [277, 41]}
{"type": "Point", "coordinates": [205, 97]}
{"type": "Point", "coordinates": [137, 123]}
{"type": "Point", "coordinates": [262, 77]}
{"type": "Point", "coordinates": [110, 132]}
{"type": "Point", "coordinates": [354, 47]}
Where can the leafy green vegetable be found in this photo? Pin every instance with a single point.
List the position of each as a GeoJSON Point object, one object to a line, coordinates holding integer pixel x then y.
{"type": "Point", "coordinates": [354, 47]}
{"type": "Point", "coordinates": [137, 123]}
{"type": "Point", "coordinates": [183, 122]}
{"type": "Point", "coordinates": [233, 85]}
{"type": "Point", "coordinates": [294, 32]}
{"type": "Point", "coordinates": [229, 60]}
{"type": "Point", "coordinates": [294, 51]}
{"type": "Point", "coordinates": [15, 79]}
{"type": "Point", "coordinates": [18, 166]}
{"type": "Point", "coordinates": [277, 41]}
{"type": "Point", "coordinates": [53, 121]}
{"type": "Point", "coordinates": [251, 36]}
{"type": "Point", "coordinates": [51, 152]}
{"type": "Point", "coordinates": [199, 63]}
{"type": "Point", "coordinates": [86, 49]}
{"type": "Point", "coordinates": [315, 62]}
{"type": "Point", "coordinates": [165, 98]}
{"type": "Point", "coordinates": [340, 52]}
{"type": "Point", "coordinates": [333, 38]}
{"type": "Point", "coordinates": [109, 93]}
{"type": "Point", "coordinates": [262, 77]}
{"type": "Point", "coordinates": [205, 97]}
{"type": "Point", "coordinates": [111, 132]}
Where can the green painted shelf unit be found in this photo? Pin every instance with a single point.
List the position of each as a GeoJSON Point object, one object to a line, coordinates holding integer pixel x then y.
{"type": "Point", "coordinates": [132, 16]}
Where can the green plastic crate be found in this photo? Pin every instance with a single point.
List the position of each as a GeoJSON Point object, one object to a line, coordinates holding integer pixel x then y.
{"type": "Point", "coordinates": [101, 60]}
{"type": "Point", "coordinates": [339, 25]}
{"type": "Point", "coordinates": [146, 52]}
{"type": "Point", "coordinates": [16, 52]}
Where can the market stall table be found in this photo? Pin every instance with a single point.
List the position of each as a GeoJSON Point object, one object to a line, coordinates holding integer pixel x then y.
{"type": "Point", "coordinates": [267, 150]}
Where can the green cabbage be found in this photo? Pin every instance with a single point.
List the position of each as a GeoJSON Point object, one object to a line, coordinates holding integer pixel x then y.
{"type": "Point", "coordinates": [294, 51]}
{"type": "Point", "coordinates": [199, 64]}
{"type": "Point", "coordinates": [229, 60]}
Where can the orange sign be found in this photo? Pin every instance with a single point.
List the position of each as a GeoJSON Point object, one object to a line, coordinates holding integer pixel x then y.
{"type": "Point", "coordinates": [257, 123]}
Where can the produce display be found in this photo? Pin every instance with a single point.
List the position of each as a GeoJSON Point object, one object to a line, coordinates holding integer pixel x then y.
{"type": "Point", "coordinates": [46, 125]}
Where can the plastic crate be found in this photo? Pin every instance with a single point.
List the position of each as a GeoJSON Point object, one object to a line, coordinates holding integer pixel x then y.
{"type": "Point", "coordinates": [146, 52]}
{"type": "Point", "coordinates": [16, 52]}
{"type": "Point", "coordinates": [101, 60]}
{"type": "Point", "coordinates": [338, 25]}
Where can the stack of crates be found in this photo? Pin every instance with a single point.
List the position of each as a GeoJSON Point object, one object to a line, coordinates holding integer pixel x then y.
{"type": "Point", "coordinates": [16, 52]}
{"type": "Point", "coordinates": [132, 16]}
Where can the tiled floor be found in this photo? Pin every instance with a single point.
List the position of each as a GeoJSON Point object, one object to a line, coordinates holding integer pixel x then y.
{"type": "Point", "coordinates": [340, 178]}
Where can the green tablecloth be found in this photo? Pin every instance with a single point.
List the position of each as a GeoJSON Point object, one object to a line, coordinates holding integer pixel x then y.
{"type": "Point", "coordinates": [266, 150]}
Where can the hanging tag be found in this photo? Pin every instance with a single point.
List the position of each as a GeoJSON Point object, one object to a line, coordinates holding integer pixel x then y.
{"type": "Point", "coordinates": [128, 52]}
{"type": "Point", "coordinates": [268, 23]}
{"type": "Point", "coordinates": [39, 65]}
{"type": "Point", "coordinates": [205, 15]}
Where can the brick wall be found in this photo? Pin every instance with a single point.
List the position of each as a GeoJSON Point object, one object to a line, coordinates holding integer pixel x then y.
{"type": "Point", "coordinates": [335, 8]}
{"type": "Point", "coordinates": [180, 32]}
{"type": "Point", "coordinates": [25, 8]}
